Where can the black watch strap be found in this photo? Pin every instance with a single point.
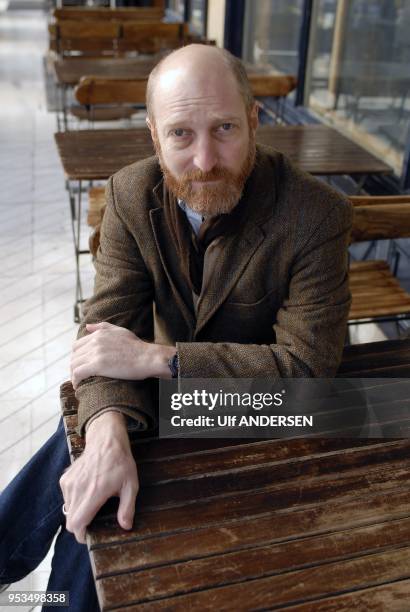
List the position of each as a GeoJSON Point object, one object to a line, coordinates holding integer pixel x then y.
{"type": "Point", "coordinates": [173, 365]}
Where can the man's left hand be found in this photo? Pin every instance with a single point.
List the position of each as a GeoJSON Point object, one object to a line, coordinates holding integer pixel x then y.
{"type": "Point", "coordinates": [116, 352]}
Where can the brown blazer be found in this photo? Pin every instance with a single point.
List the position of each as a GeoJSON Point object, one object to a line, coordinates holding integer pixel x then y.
{"type": "Point", "coordinates": [275, 304]}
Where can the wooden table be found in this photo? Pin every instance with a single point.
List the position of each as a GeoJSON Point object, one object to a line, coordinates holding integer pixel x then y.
{"type": "Point", "coordinates": [306, 524]}
{"type": "Point", "coordinates": [318, 149]}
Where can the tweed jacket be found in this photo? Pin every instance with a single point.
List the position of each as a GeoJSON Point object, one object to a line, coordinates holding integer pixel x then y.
{"type": "Point", "coordinates": [274, 302]}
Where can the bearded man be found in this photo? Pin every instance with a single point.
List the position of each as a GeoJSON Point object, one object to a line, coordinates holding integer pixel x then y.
{"type": "Point", "coordinates": [217, 258]}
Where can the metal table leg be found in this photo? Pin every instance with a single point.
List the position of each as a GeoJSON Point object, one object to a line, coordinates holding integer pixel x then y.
{"type": "Point", "coordinates": [75, 197]}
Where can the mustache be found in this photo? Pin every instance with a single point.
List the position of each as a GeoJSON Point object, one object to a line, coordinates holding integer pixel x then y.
{"type": "Point", "coordinates": [199, 176]}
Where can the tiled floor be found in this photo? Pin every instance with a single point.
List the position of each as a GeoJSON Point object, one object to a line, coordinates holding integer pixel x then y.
{"type": "Point", "coordinates": [37, 272]}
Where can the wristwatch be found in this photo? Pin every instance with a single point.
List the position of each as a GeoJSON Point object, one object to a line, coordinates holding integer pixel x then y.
{"type": "Point", "coordinates": [173, 365]}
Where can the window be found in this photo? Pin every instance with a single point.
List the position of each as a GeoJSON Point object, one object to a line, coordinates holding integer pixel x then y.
{"type": "Point", "coordinates": [176, 8]}
{"type": "Point", "coordinates": [198, 16]}
{"type": "Point", "coordinates": [359, 72]}
{"type": "Point", "coordinates": [271, 34]}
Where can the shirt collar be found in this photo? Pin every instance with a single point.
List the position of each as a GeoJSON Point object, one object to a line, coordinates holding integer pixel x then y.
{"type": "Point", "coordinates": [194, 218]}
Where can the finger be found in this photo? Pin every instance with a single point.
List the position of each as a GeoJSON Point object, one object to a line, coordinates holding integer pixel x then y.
{"type": "Point", "coordinates": [94, 326]}
{"type": "Point", "coordinates": [81, 342]}
{"type": "Point", "coordinates": [81, 373]}
{"type": "Point", "coordinates": [126, 508]}
{"type": "Point", "coordinates": [81, 514]}
{"type": "Point", "coordinates": [87, 357]}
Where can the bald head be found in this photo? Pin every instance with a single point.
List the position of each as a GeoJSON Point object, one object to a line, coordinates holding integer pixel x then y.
{"type": "Point", "coordinates": [191, 64]}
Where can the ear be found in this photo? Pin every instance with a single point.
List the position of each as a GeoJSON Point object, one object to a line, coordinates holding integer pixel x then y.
{"type": "Point", "coordinates": [149, 124]}
{"type": "Point", "coordinates": [253, 117]}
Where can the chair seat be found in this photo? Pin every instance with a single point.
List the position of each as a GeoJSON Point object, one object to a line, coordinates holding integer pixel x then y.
{"type": "Point", "coordinates": [376, 292]}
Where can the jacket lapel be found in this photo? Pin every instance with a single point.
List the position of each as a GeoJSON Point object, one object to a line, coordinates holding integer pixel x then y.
{"type": "Point", "coordinates": [259, 199]}
{"type": "Point", "coordinates": [235, 253]}
{"type": "Point", "coordinates": [169, 260]}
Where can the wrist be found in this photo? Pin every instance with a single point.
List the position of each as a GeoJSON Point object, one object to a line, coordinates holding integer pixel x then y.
{"type": "Point", "coordinates": [160, 362]}
{"type": "Point", "coordinates": [109, 424]}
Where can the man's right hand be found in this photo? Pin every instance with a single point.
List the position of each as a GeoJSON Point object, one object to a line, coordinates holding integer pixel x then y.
{"type": "Point", "coordinates": [105, 469]}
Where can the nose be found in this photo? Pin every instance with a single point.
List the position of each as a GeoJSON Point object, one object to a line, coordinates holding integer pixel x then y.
{"type": "Point", "coordinates": [205, 157]}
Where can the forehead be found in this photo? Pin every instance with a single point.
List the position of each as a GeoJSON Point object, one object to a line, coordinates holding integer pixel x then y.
{"type": "Point", "coordinates": [183, 94]}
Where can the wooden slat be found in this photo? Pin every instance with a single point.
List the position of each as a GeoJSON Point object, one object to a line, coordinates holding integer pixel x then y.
{"type": "Point", "coordinates": [97, 90]}
{"type": "Point", "coordinates": [375, 291]}
{"type": "Point", "coordinates": [302, 492]}
{"type": "Point", "coordinates": [102, 114]}
{"type": "Point", "coordinates": [152, 37]}
{"type": "Point", "coordinates": [275, 85]}
{"type": "Point", "coordinates": [96, 204]}
{"type": "Point", "coordinates": [292, 587]}
{"type": "Point", "coordinates": [133, 30]}
{"type": "Point", "coordinates": [275, 527]}
{"type": "Point", "coordinates": [393, 597]}
{"type": "Point", "coordinates": [69, 70]}
{"type": "Point", "coordinates": [368, 200]}
{"type": "Point", "coordinates": [86, 29]}
{"type": "Point", "coordinates": [249, 564]}
{"type": "Point", "coordinates": [370, 353]}
{"type": "Point", "coordinates": [381, 222]}
{"type": "Point", "coordinates": [270, 476]}
{"type": "Point", "coordinates": [107, 14]}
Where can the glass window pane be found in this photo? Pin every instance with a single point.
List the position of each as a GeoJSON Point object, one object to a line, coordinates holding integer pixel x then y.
{"type": "Point", "coordinates": [198, 16]}
{"type": "Point", "coordinates": [271, 34]}
{"type": "Point", "coordinates": [177, 7]}
{"type": "Point", "coordinates": [360, 72]}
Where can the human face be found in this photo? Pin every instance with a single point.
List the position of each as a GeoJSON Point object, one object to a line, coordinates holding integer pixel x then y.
{"type": "Point", "coordinates": [204, 139]}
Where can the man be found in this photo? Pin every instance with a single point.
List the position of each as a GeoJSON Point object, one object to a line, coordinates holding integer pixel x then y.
{"type": "Point", "coordinates": [243, 256]}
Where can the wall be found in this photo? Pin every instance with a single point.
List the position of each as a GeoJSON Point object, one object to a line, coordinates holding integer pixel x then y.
{"type": "Point", "coordinates": [216, 21]}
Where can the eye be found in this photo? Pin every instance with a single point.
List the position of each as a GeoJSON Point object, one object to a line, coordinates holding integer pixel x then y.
{"type": "Point", "coordinates": [225, 127]}
{"type": "Point", "coordinates": [179, 132]}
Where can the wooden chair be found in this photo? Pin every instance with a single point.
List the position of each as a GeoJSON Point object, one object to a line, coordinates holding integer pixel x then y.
{"type": "Point", "coordinates": [376, 293]}
{"type": "Point", "coordinates": [107, 99]}
{"type": "Point", "coordinates": [151, 13]}
{"type": "Point", "coordinates": [276, 86]}
{"type": "Point", "coordinates": [98, 90]}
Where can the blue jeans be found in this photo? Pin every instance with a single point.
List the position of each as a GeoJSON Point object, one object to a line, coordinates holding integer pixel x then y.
{"type": "Point", "coordinates": [30, 516]}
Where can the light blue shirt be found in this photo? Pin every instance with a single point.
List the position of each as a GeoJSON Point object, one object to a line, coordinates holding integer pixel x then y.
{"type": "Point", "coordinates": [195, 219]}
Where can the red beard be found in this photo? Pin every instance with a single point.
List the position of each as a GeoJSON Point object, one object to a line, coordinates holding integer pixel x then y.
{"type": "Point", "coordinates": [210, 200]}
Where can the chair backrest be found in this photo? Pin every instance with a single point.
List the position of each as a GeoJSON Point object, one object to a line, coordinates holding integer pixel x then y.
{"type": "Point", "coordinates": [151, 13]}
{"type": "Point", "coordinates": [152, 37]}
{"type": "Point", "coordinates": [123, 36]}
{"type": "Point", "coordinates": [98, 90]}
{"type": "Point", "coordinates": [84, 35]}
{"type": "Point", "coordinates": [275, 85]}
{"type": "Point", "coordinates": [368, 200]}
{"type": "Point", "coordinates": [380, 218]}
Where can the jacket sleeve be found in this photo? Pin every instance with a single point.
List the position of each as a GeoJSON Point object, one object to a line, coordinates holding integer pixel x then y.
{"type": "Point", "coordinates": [123, 295]}
{"type": "Point", "coordinates": [310, 326]}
